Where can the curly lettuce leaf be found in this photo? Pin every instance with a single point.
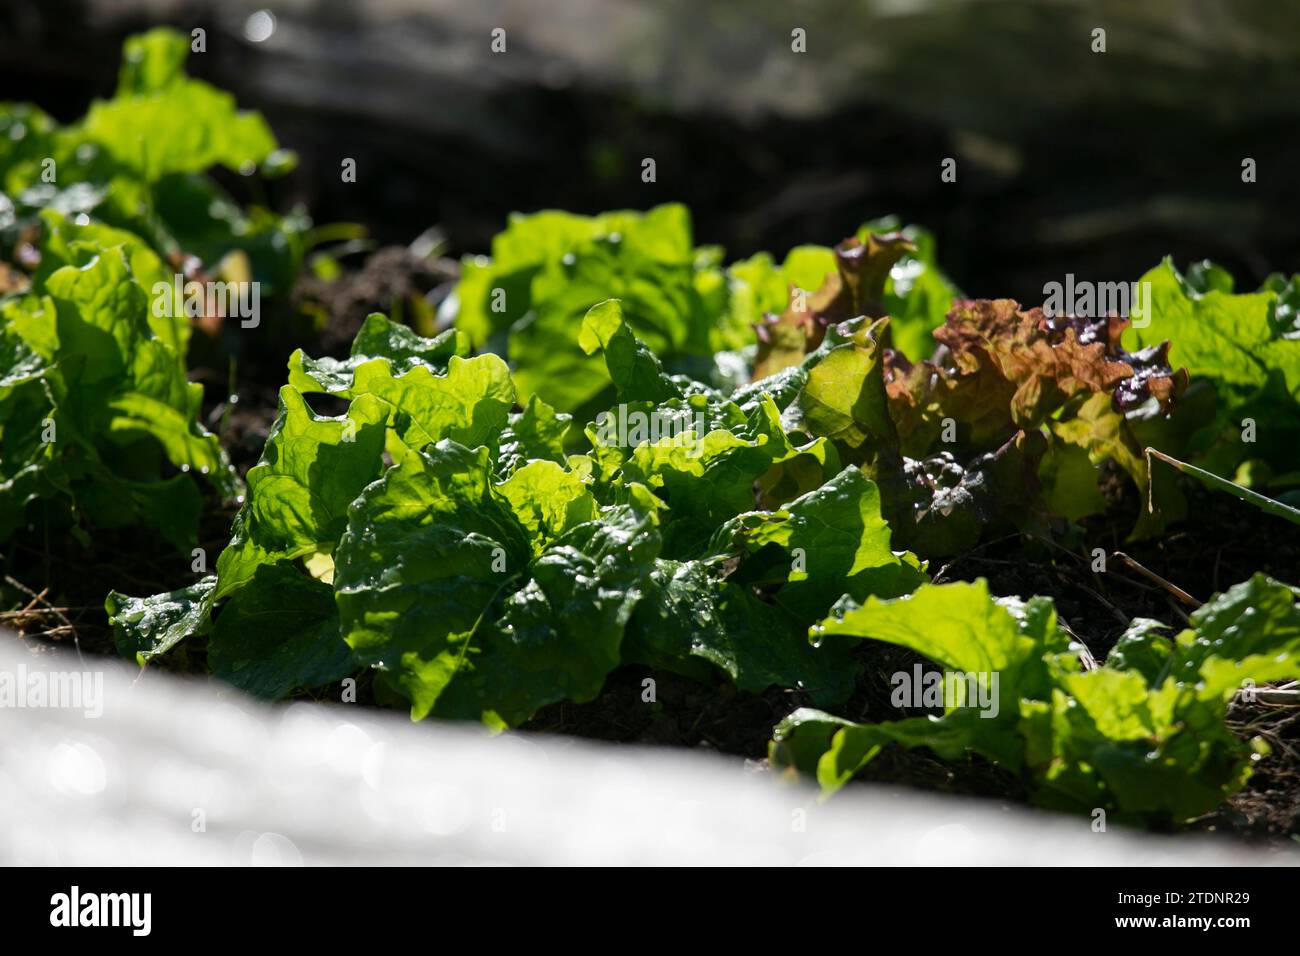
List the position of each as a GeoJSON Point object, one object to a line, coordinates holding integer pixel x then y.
{"type": "Point", "coordinates": [95, 402]}
{"type": "Point", "coordinates": [311, 470]}
{"type": "Point", "coordinates": [917, 294]}
{"type": "Point", "coordinates": [548, 500]}
{"type": "Point", "coordinates": [690, 621]}
{"type": "Point", "coordinates": [854, 289]}
{"type": "Point", "coordinates": [1061, 388]}
{"type": "Point", "coordinates": [538, 433]}
{"type": "Point", "coordinates": [437, 583]}
{"type": "Point", "coordinates": [427, 550]}
{"type": "Point", "coordinates": [548, 269]}
{"type": "Point", "coordinates": [561, 632]}
{"type": "Point", "coordinates": [378, 338]}
{"type": "Point", "coordinates": [139, 160]}
{"type": "Point", "coordinates": [70, 242]}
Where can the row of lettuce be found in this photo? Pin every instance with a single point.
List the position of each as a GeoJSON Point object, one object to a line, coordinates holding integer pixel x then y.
{"type": "Point", "coordinates": [624, 451]}
{"type": "Point", "coordinates": [447, 540]}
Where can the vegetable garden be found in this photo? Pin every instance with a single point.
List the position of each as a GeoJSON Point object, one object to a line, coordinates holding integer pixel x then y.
{"type": "Point", "coordinates": [614, 484]}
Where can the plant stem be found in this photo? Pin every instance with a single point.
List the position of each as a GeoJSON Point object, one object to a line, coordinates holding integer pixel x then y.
{"type": "Point", "coordinates": [1262, 502]}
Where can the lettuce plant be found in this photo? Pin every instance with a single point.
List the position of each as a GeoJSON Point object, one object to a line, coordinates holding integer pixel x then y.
{"type": "Point", "coordinates": [1007, 422]}
{"type": "Point", "coordinates": [94, 403]}
{"type": "Point", "coordinates": [139, 161]}
{"type": "Point", "coordinates": [442, 534]}
{"type": "Point", "coordinates": [901, 279]}
{"type": "Point", "coordinates": [526, 301]}
{"type": "Point", "coordinates": [546, 270]}
{"type": "Point", "coordinates": [1142, 736]}
{"type": "Point", "coordinates": [439, 533]}
{"type": "Point", "coordinates": [1243, 350]}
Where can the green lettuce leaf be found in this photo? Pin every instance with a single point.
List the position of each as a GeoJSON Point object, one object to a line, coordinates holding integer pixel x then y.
{"type": "Point", "coordinates": [1143, 736]}
{"type": "Point", "coordinates": [299, 492]}
{"type": "Point", "coordinates": [538, 433]}
{"type": "Point", "coordinates": [437, 584]}
{"type": "Point", "coordinates": [145, 628]}
{"type": "Point", "coordinates": [139, 160]}
{"type": "Point", "coordinates": [1242, 345]}
{"type": "Point", "coordinates": [278, 633]}
{"type": "Point", "coordinates": [378, 338]}
{"type": "Point", "coordinates": [94, 405]}
{"type": "Point", "coordinates": [635, 370]}
{"type": "Point", "coordinates": [689, 617]}
{"type": "Point", "coordinates": [1217, 335]}
{"type": "Point", "coordinates": [828, 543]}
{"type": "Point", "coordinates": [548, 269]}
{"type": "Point", "coordinates": [561, 632]}
{"type": "Point", "coordinates": [548, 500]}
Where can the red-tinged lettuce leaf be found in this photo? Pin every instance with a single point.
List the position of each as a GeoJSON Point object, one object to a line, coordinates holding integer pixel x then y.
{"type": "Point", "coordinates": [917, 294]}
{"type": "Point", "coordinates": [948, 505]}
{"type": "Point", "coordinates": [995, 354]}
{"type": "Point", "coordinates": [855, 289]}
{"type": "Point", "coordinates": [1001, 371]}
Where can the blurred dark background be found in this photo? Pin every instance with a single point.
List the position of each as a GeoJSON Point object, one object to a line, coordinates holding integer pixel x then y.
{"type": "Point", "coordinates": [1068, 160]}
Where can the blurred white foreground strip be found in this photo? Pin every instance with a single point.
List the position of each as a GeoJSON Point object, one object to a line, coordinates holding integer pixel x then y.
{"type": "Point", "coordinates": [175, 772]}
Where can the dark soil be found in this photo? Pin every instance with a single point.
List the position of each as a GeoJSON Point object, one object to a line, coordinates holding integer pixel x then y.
{"type": "Point", "coordinates": [1269, 806]}
{"type": "Point", "coordinates": [393, 280]}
